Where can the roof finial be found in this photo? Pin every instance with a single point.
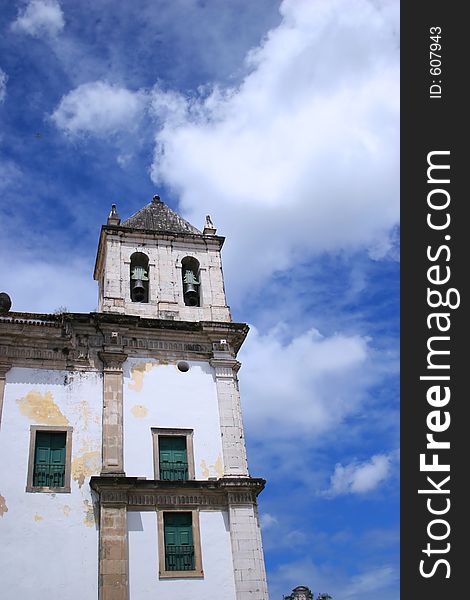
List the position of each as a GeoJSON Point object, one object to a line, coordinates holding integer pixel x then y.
{"type": "Point", "coordinates": [156, 198]}
{"type": "Point", "coordinates": [113, 217]}
{"type": "Point", "coordinates": [209, 228]}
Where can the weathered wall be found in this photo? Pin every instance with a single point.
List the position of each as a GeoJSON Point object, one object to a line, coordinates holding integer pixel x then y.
{"type": "Point", "coordinates": [165, 279]}
{"type": "Point", "coordinates": [159, 395]}
{"type": "Point", "coordinates": [49, 541]}
{"type": "Point", "coordinates": [144, 584]}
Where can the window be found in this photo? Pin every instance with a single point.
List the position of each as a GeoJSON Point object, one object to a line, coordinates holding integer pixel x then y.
{"type": "Point", "coordinates": [191, 281]}
{"type": "Point", "coordinates": [179, 544]}
{"type": "Point", "coordinates": [173, 458]}
{"type": "Point", "coordinates": [173, 454]}
{"type": "Point", "coordinates": [139, 277]}
{"type": "Point", "coordinates": [49, 459]}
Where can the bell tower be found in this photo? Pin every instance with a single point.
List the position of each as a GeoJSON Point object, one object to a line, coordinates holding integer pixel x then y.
{"type": "Point", "coordinates": [178, 505]}
{"type": "Point", "coordinates": [157, 265]}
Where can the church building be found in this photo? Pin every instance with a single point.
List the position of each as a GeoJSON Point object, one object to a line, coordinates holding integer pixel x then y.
{"type": "Point", "coordinates": [123, 471]}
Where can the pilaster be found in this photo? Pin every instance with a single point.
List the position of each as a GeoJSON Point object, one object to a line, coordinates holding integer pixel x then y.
{"type": "Point", "coordinates": [112, 436]}
{"type": "Point", "coordinates": [231, 424]}
{"type": "Point", "coordinates": [114, 553]}
{"type": "Point", "coordinates": [4, 368]}
{"type": "Point", "coordinates": [247, 552]}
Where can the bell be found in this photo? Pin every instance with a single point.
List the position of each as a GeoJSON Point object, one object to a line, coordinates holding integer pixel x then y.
{"type": "Point", "coordinates": [138, 290]}
{"type": "Point", "coordinates": [191, 296]}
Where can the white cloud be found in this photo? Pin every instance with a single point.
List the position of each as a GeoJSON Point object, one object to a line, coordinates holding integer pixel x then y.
{"type": "Point", "coordinates": [40, 17]}
{"type": "Point", "coordinates": [268, 521]}
{"type": "Point", "coordinates": [3, 85]}
{"type": "Point", "coordinates": [359, 478]}
{"type": "Point", "coordinates": [98, 108]}
{"type": "Point", "coordinates": [369, 583]}
{"type": "Point", "coordinates": [304, 387]}
{"type": "Point", "coordinates": [32, 283]}
{"type": "Point", "coordinates": [302, 157]}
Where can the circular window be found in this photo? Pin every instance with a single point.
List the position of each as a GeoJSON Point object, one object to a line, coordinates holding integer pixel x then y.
{"type": "Point", "coordinates": [183, 366]}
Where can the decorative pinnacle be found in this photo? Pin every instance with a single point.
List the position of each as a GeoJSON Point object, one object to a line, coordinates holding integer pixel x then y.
{"type": "Point", "coordinates": [209, 227]}
{"type": "Point", "coordinates": [156, 198]}
{"type": "Point", "coordinates": [113, 217]}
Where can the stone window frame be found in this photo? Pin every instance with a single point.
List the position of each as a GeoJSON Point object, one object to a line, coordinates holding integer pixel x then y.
{"type": "Point", "coordinates": [198, 570]}
{"type": "Point", "coordinates": [165, 431]}
{"type": "Point", "coordinates": [68, 459]}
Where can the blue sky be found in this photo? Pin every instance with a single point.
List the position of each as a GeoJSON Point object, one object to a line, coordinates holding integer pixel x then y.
{"type": "Point", "coordinates": [280, 120]}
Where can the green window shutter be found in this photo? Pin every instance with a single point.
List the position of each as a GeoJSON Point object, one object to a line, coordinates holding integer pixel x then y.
{"type": "Point", "coordinates": [173, 458]}
{"type": "Point", "coordinates": [179, 546]}
{"type": "Point", "coordinates": [49, 459]}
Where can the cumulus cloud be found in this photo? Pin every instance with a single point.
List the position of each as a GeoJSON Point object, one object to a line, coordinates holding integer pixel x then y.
{"type": "Point", "coordinates": [3, 85]}
{"type": "Point", "coordinates": [359, 478]}
{"type": "Point", "coordinates": [28, 281]}
{"type": "Point", "coordinates": [370, 584]}
{"type": "Point", "coordinates": [40, 17]}
{"type": "Point", "coordinates": [98, 108]}
{"type": "Point", "coordinates": [305, 386]}
{"type": "Point", "coordinates": [302, 156]}
{"type": "Point", "coordinates": [268, 521]}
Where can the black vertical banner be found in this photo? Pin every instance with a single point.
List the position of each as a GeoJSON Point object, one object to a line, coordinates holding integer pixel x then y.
{"type": "Point", "coordinates": [434, 300]}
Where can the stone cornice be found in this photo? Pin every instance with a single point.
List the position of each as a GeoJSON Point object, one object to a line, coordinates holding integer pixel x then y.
{"type": "Point", "coordinates": [216, 240]}
{"type": "Point", "coordinates": [145, 494]}
{"type": "Point", "coordinates": [74, 340]}
{"type": "Point", "coordinates": [112, 361]}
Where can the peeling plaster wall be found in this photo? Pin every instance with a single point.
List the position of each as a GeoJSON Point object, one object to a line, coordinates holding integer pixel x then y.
{"type": "Point", "coordinates": [144, 584]}
{"type": "Point", "coordinates": [53, 538]}
{"type": "Point", "coordinates": [159, 395]}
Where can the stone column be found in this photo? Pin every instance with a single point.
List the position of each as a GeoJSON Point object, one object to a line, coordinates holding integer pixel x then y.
{"type": "Point", "coordinates": [114, 561]}
{"type": "Point", "coordinates": [113, 438]}
{"type": "Point", "coordinates": [4, 368]}
{"type": "Point", "coordinates": [247, 551]}
{"type": "Point", "coordinates": [231, 424]}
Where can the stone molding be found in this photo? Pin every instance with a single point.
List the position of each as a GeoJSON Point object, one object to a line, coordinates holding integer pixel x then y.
{"type": "Point", "coordinates": [112, 361]}
{"type": "Point", "coordinates": [74, 340]}
{"type": "Point", "coordinates": [225, 369]}
{"type": "Point", "coordinates": [143, 494]}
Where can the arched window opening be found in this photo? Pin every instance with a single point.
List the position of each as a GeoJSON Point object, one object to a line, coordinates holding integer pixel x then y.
{"type": "Point", "coordinates": [139, 277]}
{"type": "Point", "coordinates": [191, 281]}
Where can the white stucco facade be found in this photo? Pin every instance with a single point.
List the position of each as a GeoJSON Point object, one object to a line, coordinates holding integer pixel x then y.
{"type": "Point", "coordinates": [144, 583]}
{"type": "Point", "coordinates": [160, 395]}
{"type": "Point", "coordinates": [49, 540]}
